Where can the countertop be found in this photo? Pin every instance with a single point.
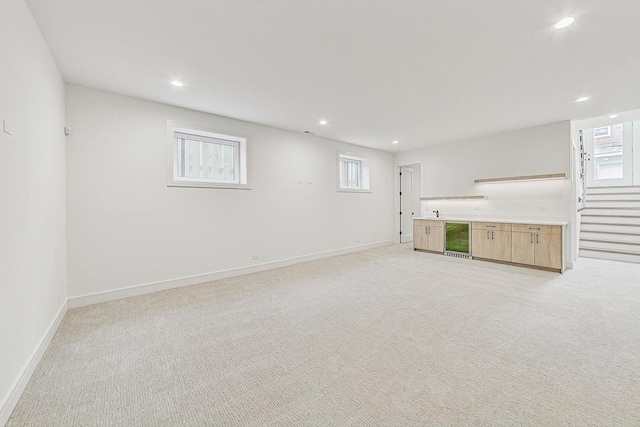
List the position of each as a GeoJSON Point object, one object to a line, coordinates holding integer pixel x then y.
{"type": "Point", "coordinates": [507, 220]}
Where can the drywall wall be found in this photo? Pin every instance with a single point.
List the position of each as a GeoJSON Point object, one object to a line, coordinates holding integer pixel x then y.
{"type": "Point", "coordinates": [450, 170]}
{"type": "Point", "coordinates": [32, 200]}
{"type": "Point", "coordinates": [127, 228]}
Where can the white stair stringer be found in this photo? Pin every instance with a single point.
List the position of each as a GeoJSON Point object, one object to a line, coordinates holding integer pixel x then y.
{"type": "Point", "coordinates": [610, 224]}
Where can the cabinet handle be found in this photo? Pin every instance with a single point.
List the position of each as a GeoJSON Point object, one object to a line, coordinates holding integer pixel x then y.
{"type": "Point", "coordinates": [536, 238]}
{"type": "Point", "coordinates": [425, 230]}
{"type": "Point", "coordinates": [491, 226]}
{"type": "Point", "coordinates": [492, 235]}
{"type": "Point", "coordinates": [534, 228]}
{"type": "Point", "coordinates": [531, 238]}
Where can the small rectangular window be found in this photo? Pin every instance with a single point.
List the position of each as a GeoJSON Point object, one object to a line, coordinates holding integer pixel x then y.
{"type": "Point", "coordinates": [205, 158]}
{"type": "Point", "coordinates": [208, 159]}
{"type": "Point", "coordinates": [350, 173]}
{"type": "Point", "coordinates": [602, 132]}
{"type": "Point", "coordinates": [353, 173]}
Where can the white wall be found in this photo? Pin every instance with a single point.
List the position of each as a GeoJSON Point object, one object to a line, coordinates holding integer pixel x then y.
{"type": "Point", "coordinates": [127, 228]}
{"type": "Point", "coordinates": [450, 169]}
{"type": "Point", "coordinates": [32, 200]}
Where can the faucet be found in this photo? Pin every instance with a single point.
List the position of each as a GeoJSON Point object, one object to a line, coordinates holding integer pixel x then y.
{"type": "Point", "coordinates": [437, 212]}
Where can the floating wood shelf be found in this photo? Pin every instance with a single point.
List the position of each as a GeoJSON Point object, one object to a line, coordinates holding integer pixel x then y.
{"type": "Point", "coordinates": [454, 198]}
{"type": "Point", "coordinates": [521, 178]}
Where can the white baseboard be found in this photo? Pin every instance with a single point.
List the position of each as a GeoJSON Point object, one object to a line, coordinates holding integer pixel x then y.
{"type": "Point", "coordinates": [147, 288]}
{"type": "Point", "coordinates": [21, 383]}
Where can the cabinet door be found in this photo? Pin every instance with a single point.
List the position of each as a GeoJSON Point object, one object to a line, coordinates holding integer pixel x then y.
{"type": "Point", "coordinates": [549, 250]}
{"type": "Point", "coordinates": [431, 222]}
{"type": "Point", "coordinates": [501, 245]}
{"type": "Point", "coordinates": [435, 239]}
{"type": "Point", "coordinates": [419, 237]}
{"type": "Point", "coordinates": [522, 248]}
{"type": "Point", "coordinates": [481, 243]}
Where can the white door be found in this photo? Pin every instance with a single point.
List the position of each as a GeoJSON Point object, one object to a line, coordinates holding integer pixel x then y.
{"type": "Point", "coordinates": [406, 203]}
{"type": "Point", "coordinates": [609, 155]}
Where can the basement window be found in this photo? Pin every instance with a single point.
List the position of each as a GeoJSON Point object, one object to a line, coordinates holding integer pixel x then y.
{"type": "Point", "coordinates": [353, 173]}
{"type": "Point", "coordinates": [201, 157]}
{"type": "Point", "coordinates": [602, 132]}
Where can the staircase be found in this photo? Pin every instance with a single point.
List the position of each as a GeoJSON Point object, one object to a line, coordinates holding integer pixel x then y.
{"type": "Point", "coordinates": [610, 226]}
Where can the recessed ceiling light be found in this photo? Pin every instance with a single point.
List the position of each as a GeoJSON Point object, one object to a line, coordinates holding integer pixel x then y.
{"type": "Point", "coordinates": [177, 83]}
{"type": "Point", "coordinates": [582, 99]}
{"type": "Point", "coordinates": [564, 22]}
{"type": "Point", "coordinates": [613, 116]}
{"type": "Point", "coordinates": [323, 122]}
{"type": "Point", "coordinates": [394, 142]}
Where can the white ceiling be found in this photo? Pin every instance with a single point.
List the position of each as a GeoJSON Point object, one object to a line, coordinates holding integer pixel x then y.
{"type": "Point", "coordinates": [423, 72]}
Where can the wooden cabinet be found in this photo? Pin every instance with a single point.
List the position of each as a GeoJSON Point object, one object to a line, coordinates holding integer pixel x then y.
{"type": "Point", "coordinates": [435, 238]}
{"type": "Point", "coordinates": [539, 245]}
{"type": "Point", "coordinates": [491, 241]}
{"type": "Point", "coordinates": [428, 235]}
{"type": "Point", "coordinates": [526, 244]}
{"type": "Point", "coordinates": [419, 236]}
{"type": "Point", "coordinates": [522, 248]}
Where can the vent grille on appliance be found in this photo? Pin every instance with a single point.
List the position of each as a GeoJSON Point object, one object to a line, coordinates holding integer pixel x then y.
{"type": "Point", "coordinates": [458, 255]}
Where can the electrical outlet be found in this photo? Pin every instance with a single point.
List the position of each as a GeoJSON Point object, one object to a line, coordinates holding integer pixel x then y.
{"type": "Point", "coordinates": [6, 128]}
{"type": "Point", "coordinates": [255, 257]}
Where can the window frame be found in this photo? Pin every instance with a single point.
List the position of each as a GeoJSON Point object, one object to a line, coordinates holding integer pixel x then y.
{"type": "Point", "coordinates": [608, 134]}
{"type": "Point", "coordinates": [241, 156]}
{"type": "Point", "coordinates": [364, 176]}
{"type": "Point", "coordinates": [357, 175]}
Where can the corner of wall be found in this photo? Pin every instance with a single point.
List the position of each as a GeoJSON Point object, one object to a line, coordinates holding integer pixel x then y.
{"type": "Point", "coordinates": [30, 366]}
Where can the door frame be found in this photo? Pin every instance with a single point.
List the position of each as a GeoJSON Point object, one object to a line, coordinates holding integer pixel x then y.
{"type": "Point", "coordinates": [417, 191]}
{"type": "Point", "coordinates": [404, 210]}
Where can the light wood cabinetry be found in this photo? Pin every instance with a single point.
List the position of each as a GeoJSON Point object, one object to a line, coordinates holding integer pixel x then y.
{"type": "Point", "coordinates": [491, 241]}
{"type": "Point", "coordinates": [522, 248]}
{"type": "Point", "coordinates": [428, 235]}
{"type": "Point", "coordinates": [534, 245]}
{"type": "Point", "coordinates": [538, 245]}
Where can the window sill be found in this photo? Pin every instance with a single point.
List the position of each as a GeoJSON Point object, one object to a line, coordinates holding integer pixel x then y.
{"type": "Point", "coordinates": [352, 190]}
{"type": "Point", "coordinates": [209, 185]}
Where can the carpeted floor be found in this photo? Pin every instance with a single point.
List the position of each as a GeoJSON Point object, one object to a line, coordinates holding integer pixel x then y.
{"type": "Point", "coordinates": [382, 337]}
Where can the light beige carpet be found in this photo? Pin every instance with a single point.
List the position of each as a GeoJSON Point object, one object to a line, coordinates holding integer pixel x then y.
{"type": "Point", "coordinates": [381, 337]}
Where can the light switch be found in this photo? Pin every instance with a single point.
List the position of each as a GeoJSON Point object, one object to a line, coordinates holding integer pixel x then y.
{"type": "Point", "coordinates": [6, 128]}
